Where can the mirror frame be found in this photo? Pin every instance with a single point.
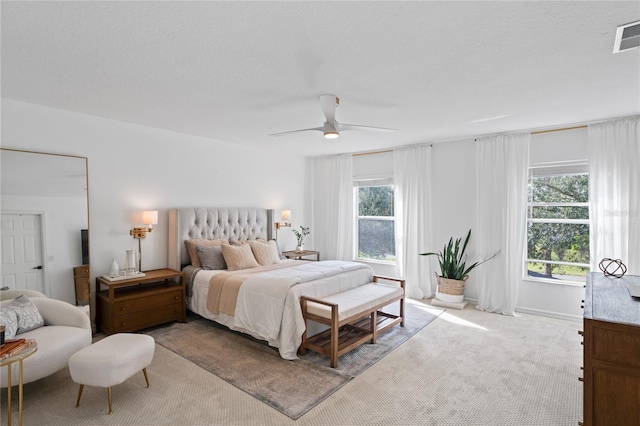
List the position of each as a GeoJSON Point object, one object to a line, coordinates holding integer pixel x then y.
{"type": "Point", "coordinates": [46, 283]}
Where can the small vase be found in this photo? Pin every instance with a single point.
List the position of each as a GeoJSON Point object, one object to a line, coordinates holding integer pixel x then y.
{"type": "Point", "coordinates": [300, 248]}
{"type": "Point", "coordinates": [114, 269]}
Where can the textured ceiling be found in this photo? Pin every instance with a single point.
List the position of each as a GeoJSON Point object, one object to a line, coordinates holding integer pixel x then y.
{"type": "Point", "coordinates": [237, 71]}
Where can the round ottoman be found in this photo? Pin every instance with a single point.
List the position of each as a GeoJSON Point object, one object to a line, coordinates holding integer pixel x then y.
{"type": "Point", "coordinates": [111, 361]}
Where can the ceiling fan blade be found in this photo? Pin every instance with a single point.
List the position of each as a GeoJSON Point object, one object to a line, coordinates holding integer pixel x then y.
{"type": "Point", "coordinates": [365, 128]}
{"type": "Point", "coordinates": [328, 103]}
{"type": "Point", "coordinates": [331, 128]}
{"type": "Point", "coordinates": [297, 131]}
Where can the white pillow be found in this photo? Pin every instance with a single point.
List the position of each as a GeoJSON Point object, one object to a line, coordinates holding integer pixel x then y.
{"type": "Point", "coordinates": [265, 253]}
{"type": "Point", "coordinates": [9, 319]}
{"type": "Point", "coordinates": [27, 313]}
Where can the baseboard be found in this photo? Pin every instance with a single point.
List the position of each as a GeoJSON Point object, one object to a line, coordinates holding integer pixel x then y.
{"type": "Point", "coordinates": [542, 313]}
{"type": "Point", "coordinates": [550, 314]}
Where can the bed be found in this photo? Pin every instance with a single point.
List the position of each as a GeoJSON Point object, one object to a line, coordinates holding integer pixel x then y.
{"type": "Point", "coordinates": [265, 298]}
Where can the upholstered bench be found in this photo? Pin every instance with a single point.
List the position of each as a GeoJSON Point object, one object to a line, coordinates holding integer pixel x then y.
{"type": "Point", "coordinates": [353, 317]}
{"type": "Point", "coordinates": [111, 361]}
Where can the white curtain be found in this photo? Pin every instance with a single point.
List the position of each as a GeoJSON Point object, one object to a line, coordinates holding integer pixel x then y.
{"type": "Point", "coordinates": [614, 192]}
{"type": "Point", "coordinates": [336, 203]}
{"type": "Point", "coordinates": [502, 167]}
{"type": "Point", "coordinates": [412, 180]}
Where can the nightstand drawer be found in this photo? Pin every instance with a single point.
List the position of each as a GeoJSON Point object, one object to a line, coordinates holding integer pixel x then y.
{"type": "Point", "coordinates": [81, 271]}
{"type": "Point", "coordinates": [126, 307]}
{"type": "Point", "coordinates": [148, 318]}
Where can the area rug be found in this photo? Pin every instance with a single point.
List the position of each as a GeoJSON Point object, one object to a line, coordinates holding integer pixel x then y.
{"type": "Point", "coordinates": [291, 387]}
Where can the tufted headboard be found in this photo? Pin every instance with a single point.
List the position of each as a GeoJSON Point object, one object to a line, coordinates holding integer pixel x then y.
{"type": "Point", "coordinates": [235, 223]}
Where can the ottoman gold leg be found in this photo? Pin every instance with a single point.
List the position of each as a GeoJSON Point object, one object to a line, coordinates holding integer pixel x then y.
{"type": "Point", "coordinates": [79, 395]}
{"type": "Point", "coordinates": [144, 370]}
{"type": "Point", "coordinates": [109, 393]}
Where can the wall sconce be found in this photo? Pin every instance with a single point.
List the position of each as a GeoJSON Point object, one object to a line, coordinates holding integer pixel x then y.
{"type": "Point", "coordinates": [149, 218]}
{"type": "Point", "coordinates": [286, 217]}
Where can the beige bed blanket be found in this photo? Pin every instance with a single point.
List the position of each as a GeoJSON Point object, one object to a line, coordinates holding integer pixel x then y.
{"type": "Point", "coordinates": [224, 286]}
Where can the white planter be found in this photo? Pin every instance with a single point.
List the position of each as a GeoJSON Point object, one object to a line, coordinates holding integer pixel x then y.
{"type": "Point", "coordinates": [449, 298]}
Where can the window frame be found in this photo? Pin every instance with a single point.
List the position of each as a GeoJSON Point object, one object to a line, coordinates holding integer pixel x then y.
{"type": "Point", "coordinates": [356, 200]}
{"type": "Point", "coordinates": [573, 168]}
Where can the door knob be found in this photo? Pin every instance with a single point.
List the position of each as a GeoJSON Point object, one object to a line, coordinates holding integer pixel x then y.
{"type": "Point", "coordinates": [37, 267]}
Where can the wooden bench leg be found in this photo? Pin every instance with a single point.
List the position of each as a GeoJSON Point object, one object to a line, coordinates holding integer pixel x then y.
{"type": "Point", "coordinates": [303, 350]}
{"type": "Point", "coordinates": [402, 311]}
{"type": "Point", "coordinates": [374, 327]}
{"type": "Point", "coordinates": [334, 337]}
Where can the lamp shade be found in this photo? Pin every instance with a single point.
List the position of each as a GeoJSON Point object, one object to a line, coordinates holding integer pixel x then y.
{"type": "Point", "coordinates": [150, 217]}
{"type": "Point", "coordinates": [286, 215]}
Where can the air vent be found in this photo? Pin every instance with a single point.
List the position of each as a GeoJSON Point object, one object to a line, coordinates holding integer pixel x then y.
{"type": "Point", "coordinates": [627, 37]}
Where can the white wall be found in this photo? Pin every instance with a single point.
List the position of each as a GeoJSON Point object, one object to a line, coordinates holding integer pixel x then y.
{"type": "Point", "coordinates": [453, 206]}
{"type": "Point", "coordinates": [134, 168]}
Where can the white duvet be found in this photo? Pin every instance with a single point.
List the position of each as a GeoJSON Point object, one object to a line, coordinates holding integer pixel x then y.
{"type": "Point", "coordinates": [268, 305]}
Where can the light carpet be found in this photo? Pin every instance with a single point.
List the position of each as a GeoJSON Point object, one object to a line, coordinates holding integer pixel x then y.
{"type": "Point", "coordinates": [466, 368]}
{"type": "Point", "coordinates": [291, 387]}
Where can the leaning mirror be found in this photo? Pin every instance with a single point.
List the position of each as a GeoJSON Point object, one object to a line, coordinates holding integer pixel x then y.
{"type": "Point", "coordinates": [45, 224]}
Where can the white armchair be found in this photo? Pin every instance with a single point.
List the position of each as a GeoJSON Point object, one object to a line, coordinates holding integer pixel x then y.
{"type": "Point", "coordinates": [6, 294]}
{"type": "Point", "coordinates": [67, 329]}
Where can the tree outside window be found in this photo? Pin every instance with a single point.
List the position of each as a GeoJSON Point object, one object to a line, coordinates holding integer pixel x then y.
{"type": "Point", "coordinates": [376, 223]}
{"type": "Point", "coordinates": [558, 227]}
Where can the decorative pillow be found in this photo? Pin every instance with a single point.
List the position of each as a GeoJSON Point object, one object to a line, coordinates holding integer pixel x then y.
{"type": "Point", "coordinates": [10, 321]}
{"type": "Point", "coordinates": [192, 244]}
{"type": "Point", "coordinates": [211, 257]}
{"type": "Point", "coordinates": [265, 253]}
{"type": "Point", "coordinates": [239, 257]}
{"type": "Point", "coordinates": [241, 242]}
{"type": "Point", "coordinates": [26, 312]}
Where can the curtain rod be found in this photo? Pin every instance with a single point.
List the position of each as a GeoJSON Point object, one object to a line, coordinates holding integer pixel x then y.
{"type": "Point", "coordinates": [371, 153]}
{"type": "Point", "coordinates": [558, 130]}
{"type": "Point", "coordinates": [537, 132]}
{"type": "Point", "coordinates": [562, 129]}
{"type": "Point", "coordinates": [533, 132]}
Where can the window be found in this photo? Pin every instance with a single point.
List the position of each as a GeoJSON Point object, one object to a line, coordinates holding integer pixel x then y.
{"type": "Point", "coordinates": [558, 223]}
{"type": "Point", "coordinates": [376, 236]}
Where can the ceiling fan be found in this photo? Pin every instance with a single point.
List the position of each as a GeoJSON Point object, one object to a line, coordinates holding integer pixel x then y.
{"type": "Point", "coordinates": [331, 128]}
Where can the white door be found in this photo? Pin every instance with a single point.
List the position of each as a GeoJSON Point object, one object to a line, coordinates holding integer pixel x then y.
{"type": "Point", "coordinates": [21, 252]}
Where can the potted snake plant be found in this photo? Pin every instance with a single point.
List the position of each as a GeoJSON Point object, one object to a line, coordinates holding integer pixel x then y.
{"type": "Point", "coordinates": [454, 269]}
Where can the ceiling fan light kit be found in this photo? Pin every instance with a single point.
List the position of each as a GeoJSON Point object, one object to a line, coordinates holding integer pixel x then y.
{"type": "Point", "coordinates": [331, 135]}
{"type": "Point", "coordinates": [331, 128]}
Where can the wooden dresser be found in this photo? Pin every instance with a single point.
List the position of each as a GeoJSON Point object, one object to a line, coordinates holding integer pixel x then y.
{"type": "Point", "coordinates": [137, 303]}
{"type": "Point", "coordinates": [82, 278]}
{"type": "Point", "coordinates": [611, 352]}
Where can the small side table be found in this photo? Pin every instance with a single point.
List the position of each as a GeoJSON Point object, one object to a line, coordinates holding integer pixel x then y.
{"type": "Point", "coordinates": [298, 255]}
{"type": "Point", "coordinates": [19, 357]}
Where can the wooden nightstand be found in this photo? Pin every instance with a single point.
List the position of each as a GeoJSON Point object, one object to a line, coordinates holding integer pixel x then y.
{"type": "Point", "coordinates": [298, 255]}
{"type": "Point", "coordinates": [137, 303]}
